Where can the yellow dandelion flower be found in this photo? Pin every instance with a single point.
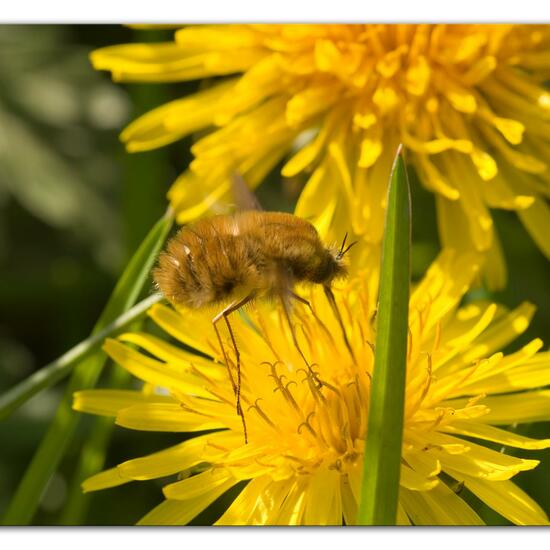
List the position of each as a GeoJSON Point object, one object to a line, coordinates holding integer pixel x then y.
{"type": "Point", "coordinates": [303, 460]}
{"type": "Point", "coordinates": [468, 101]}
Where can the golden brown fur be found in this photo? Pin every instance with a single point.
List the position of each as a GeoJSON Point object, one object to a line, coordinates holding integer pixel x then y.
{"type": "Point", "coordinates": [228, 257]}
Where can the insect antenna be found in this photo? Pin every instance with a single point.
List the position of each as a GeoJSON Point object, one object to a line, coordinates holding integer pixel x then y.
{"type": "Point", "coordinates": [233, 306]}
{"type": "Point", "coordinates": [332, 301]}
{"type": "Point", "coordinates": [343, 250]}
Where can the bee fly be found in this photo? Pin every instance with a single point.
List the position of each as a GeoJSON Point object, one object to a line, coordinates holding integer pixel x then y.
{"type": "Point", "coordinates": [229, 260]}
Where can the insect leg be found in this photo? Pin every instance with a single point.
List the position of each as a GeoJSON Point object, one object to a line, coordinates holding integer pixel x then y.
{"type": "Point", "coordinates": [317, 318]}
{"type": "Point", "coordinates": [293, 332]}
{"type": "Point", "coordinates": [332, 301]}
{"type": "Point", "coordinates": [222, 347]}
{"type": "Point", "coordinates": [301, 300]}
{"type": "Point", "coordinates": [233, 306]}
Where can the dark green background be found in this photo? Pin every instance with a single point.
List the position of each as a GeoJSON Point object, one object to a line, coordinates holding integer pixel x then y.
{"type": "Point", "coordinates": [74, 206]}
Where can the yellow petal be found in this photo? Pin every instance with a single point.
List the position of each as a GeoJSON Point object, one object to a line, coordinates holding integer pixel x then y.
{"type": "Point", "coordinates": [216, 37]}
{"type": "Point", "coordinates": [136, 58]}
{"type": "Point", "coordinates": [368, 203]}
{"type": "Point", "coordinates": [490, 371]}
{"type": "Point", "coordinates": [495, 273]}
{"type": "Point", "coordinates": [305, 155]}
{"type": "Point", "coordinates": [292, 509]}
{"type": "Point", "coordinates": [317, 201]}
{"type": "Point", "coordinates": [500, 333]}
{"type": "Point", "coordinates": [418, 76]}
{"type": "Point", "coordinates": [424, 463]}
{"type": "Point", "coordinates": [440, 506]}
{"type": "Point", "coordinates": [481, 68]}
{"type": "Point", "coordinates": [327, 56]}
{"type": "Point", "coordinates": [533, 406]}
{"type": "Point", "coordinates": [413, 481]}
{"type": "Point", "coordinates": [460, 98]}
{"type": "Point", "coordinates": [262, 80]}
{"type": "Point", "coordinates": [434, 179]}
{"type": "Point", "coordinates": [438, 442]}
{"type": "Point", "coordinates": [517, 159]}
{"type": "Point", "coordinates": [242, 508]}
{"type": "Point", "coordinates": [310, 152]}
{"type": "Point", "coordinates": [453, 225]}
{"type": "Point", "coordinates": [490, 433]}
{"type": "Point", "coordinates": [323, 503]}
{"type": "Point", "coordinates": [536, 219]}
{"type": "Point", "coordinates": [442, 290]}
{"type": "Point", "coordinates": [310, 102]}
{"type": "Point", "coordinates": [456, 342]}
{"type": "Point", "coordinates": [402, 517]}
{"type": "Point", "coordinates": [349, 503]}
{"type": "Point", "coordinates": [370, 151]}
{"type": "Point", "coordinates": [192, 196]}
{"type": "Point", "coordinates": [266, 508]}
{"type": "Point", "coordinates": [507, 499]}
{"type": "Point", "coordinates": [174, 120]}
{"type": "Point", "coordinates": [481, 462]}
{"type": "Point", "coordinates": [172, 354]}
{"type": "Point", "coordinates": [197, 485]}
{"type": "Point", "coordinates": [164, 417]}
{"type": "Point", "coordinates": [155, 372]}
{"type": "Point", "coordinates": [480, 222]}
{"type": "Point", "coordinates": [110, 402]}
{"type": "Point", "coordinates": [506, 193]}
{"type": "Point", "coordinates": [104, 480]}
{"type": "Point", "coordinates": [174, 459]}
{"type": "Point", "coordinates": [168, 62]}
{"type": "Point", "coordinates": [534, 374]}
{"type": "Point", "coordinates": [181, 512]}
{"type": "Point", "coordinates": [187, 327]}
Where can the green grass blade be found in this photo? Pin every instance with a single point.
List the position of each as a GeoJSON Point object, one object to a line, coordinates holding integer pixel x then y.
{"type": "Point", "coordinates": [142, 203]}
{"type": "Point", "coordinates": [92, 455]}
{"type": "Point", "coordinates": [45, 460]}
{"type": "Point", "coordinates": [136, 274]}
{"type": "Point", "coordinates": [57, 370]}
{"type": "Point", "coordinates": [380, 487]}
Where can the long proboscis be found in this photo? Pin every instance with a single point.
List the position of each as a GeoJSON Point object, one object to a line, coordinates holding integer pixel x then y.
{"type": "Point", "coordinates": [332, 301]}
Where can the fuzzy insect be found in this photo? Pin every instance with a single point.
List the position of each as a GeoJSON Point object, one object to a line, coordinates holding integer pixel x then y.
{"type": "Point", "coordinates": [229, 260]}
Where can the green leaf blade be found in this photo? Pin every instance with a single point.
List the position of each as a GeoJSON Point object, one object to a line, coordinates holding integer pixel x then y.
{"type": "Point", "coordinates": [62, 366]}
{"type": "Point", "coordinates": [85, 375]}
{"type": "Point", "coordinates": [382, 461]}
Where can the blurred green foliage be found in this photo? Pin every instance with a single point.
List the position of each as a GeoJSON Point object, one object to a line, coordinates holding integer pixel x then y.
{"type": "Point", "coordinates": [74, 206]}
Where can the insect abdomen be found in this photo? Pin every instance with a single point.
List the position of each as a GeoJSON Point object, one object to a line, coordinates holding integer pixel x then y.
{"type": "Point", "coordinates": [203, 269]}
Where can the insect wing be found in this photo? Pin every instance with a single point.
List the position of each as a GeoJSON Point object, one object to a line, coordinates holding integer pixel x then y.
{"type": "Point", "coordinates": [244, 198]}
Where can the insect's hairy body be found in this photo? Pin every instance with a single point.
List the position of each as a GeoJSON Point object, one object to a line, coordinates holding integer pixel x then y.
{"type": "Point", "coordinates": [253, 252]}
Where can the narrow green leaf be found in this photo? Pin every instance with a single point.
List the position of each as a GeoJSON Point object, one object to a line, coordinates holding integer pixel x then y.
{"type": "Point", "coordinates": [136, 274]}
{"type": "Point", "coordinates": [57, 370]}
{"type": "Point", "coordinates": [92, 455]}
{"type": "Point", "coordinates": [380, 487]}
{"type": "Point", "coordinates": [29, 492]}
{"type": "Point", "coordinates": [141, 205]}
